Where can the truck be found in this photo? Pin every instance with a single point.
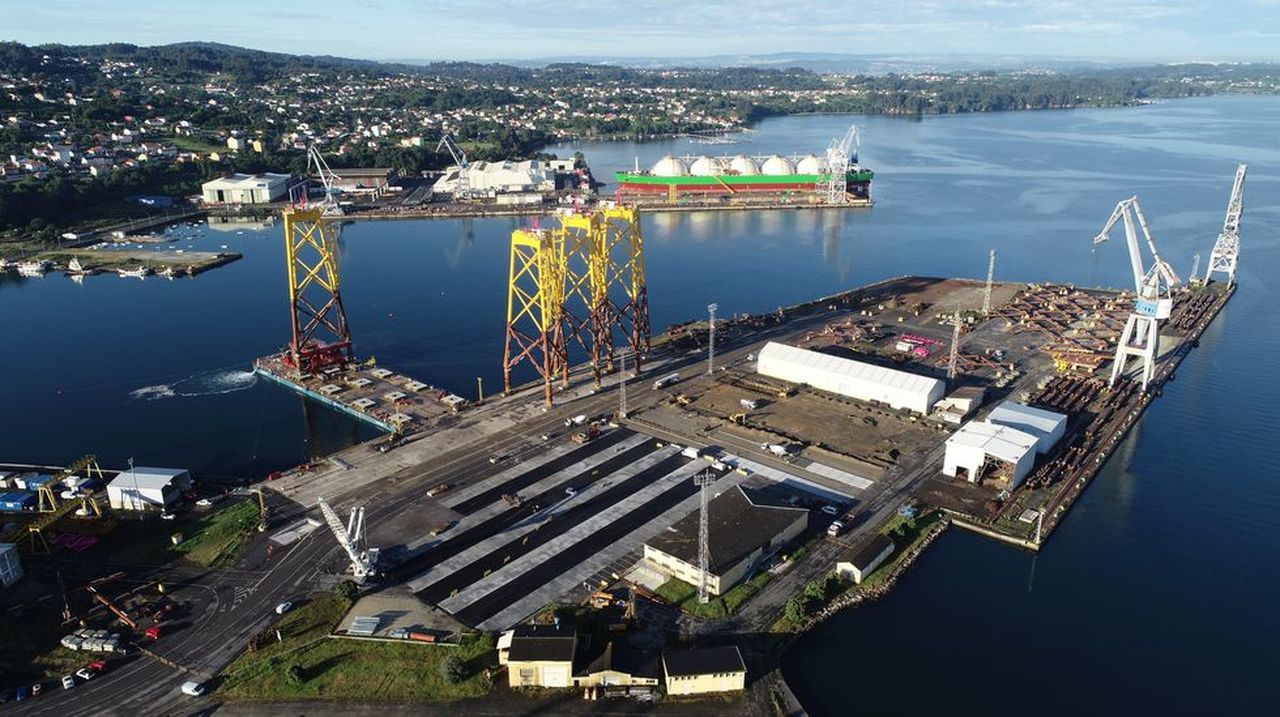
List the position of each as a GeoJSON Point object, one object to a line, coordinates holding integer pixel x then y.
{"type": "Point", "coordinates": [585, 436]}
{"type": "Point", "coordinates": [750, 404]}
{"type": "Point", "coordinates": [575, 421]}
{"type": "Point", "coordinates": [666, 381]}
{"type": "Point", "coordinates": [778, 449]}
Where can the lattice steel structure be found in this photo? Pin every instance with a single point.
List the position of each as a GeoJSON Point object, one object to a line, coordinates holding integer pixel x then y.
{"type": "Point", "coordinates": [321, 337]}
{"type": "Point", "coordinates": [1226, 250]}
{"type": "Point", "coordinates": [619, 292]}
{"type": "Point", "coordinates": [582, 282]}
{"type": "Point", "coordinates": [535, 307]}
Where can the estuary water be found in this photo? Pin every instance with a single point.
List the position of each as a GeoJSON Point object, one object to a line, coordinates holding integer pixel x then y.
{"type": "Point", "coordinates": [1157, 595]}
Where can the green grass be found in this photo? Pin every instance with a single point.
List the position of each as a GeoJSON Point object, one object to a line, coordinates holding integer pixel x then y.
{"type": "Point", "coordinates": [678, 592]}
{"type": "Point", "coordinates": [197, 144]}
{"type": "Point", "coordinates": [212, 540]}
{"type": "Point", "coordinates": [219, 536]}
{"type": "Point", "coordinates": [353, 670]}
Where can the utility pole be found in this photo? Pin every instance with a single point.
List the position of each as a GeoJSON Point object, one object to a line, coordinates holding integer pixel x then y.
{"type": "Point", "coordinates": [703, 480]}
{"type": "Point", "coordinates": [955, 348]}
{"type": "Point", "coordinates": [711, 337]}
{"type": "Point", "coordinates": [991, 275]}
{"type": "Point", "coordinates": [480, 389]}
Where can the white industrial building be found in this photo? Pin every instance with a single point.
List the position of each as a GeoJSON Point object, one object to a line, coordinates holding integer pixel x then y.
{"type": "Point", "coordinates": [493, 178]}
{"type": "Point", "coordinates": [10, 565]}
{"type": "Point", "coordinates": [245, 189]}
{"type": "Point", "coordinates": [855, 379]}
{"type": "Point", "coordinates": [978, 443]}
{"type": "Point", "coordinates": [147, 488]}
{"type": "Point", "coordinates": [1047, 427]}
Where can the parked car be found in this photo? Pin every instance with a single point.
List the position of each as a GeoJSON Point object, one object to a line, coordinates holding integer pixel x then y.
{"type": "Point", "coordinates": [835, 528]}
{"type": "Point", "coordinates": [284, 607]}
{"type": "Point", "coordinates": [35, 688]}
{"type": "Point", "coordinates": [204, 502]}
{"type": "Point", "coordinates": [192, 688]}
{"type": "Point", "coordinates": [85, 674]}
{"type": "Point", "coordinates": [68, 682]}
{"type": "Point", "coordinates": [571, 491]}
{"type": "Point", "coordinates": [168, 516]}
{"type": "Point", "coordinates": [830, 510]}
{"type": "Point", "coordinates": [98, 666]}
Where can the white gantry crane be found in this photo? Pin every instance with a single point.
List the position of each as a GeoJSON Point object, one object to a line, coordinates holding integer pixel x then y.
{"type": "Point", "coordinates": [841, 153]}
{"type": "Point", "coordinates": [1226, 250]}
{"type": "Point", "coordinates": [318, 167]}
{"type": "Point", "coordinates": [462, 184]}
{"type": "Point", "coordinates": [1154, 287]}
{"type": "Point", "coordinates": [352, 539]}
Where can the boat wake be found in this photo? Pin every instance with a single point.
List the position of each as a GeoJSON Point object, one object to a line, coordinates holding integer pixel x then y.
{"type": "Point", "coordinates": [212, 383]}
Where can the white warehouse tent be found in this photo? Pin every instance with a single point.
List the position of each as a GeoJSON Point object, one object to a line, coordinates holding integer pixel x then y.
{"type": "Point", "coordinates": [147, 488]}
{"type": "Point", "coordinates": [976, 443]}
{"type": "Point", "coordinates": [1046, 426]}
{"type": "Point", "coordinates": [855, 379]}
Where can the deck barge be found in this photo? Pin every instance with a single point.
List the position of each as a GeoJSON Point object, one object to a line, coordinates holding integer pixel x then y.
{"type": "Point", "coordinates": [376, 395]}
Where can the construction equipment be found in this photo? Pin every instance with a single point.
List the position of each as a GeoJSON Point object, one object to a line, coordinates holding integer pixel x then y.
{"type": "Point", "coordinates": [1153, 286]}
{"type": "Point", "coordinates": [318, 167]}
{"type": "Point", "coordinates": [841, 153]}
{"type": "Point", "coordinates": [1226, 250]}
{"type": "Point", "coordinates": [321, 337]}
{"type": "Point", "coordinates": [461, 182]}
{"type": "Point", "coordinates": [739, 418]}
{"type": "Point", "coordinates": [352, 539]}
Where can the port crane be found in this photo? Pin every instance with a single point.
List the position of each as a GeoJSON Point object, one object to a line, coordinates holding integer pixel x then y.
{"type": "Point", "coordinates": [462, 184]}
{"type": "Point", "coordinates": [1226, 250]}
{"type": "Point", "coordinates": [352, 539]}
{"type": "Point", "coordinates": [1153, 286]}
{"type": "Point", "coordinates": [840, 154]}
{"type": "Point", "coordinates": [320, 168]}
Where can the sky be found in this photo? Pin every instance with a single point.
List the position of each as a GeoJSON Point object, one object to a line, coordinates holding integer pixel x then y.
{"type": "Point", "coordinates": [1107, 30]}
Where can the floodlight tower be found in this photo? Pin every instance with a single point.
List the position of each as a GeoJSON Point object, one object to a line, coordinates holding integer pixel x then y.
{"type": "Point", "coordinates": [954, 359]}
{"type": "Point", "coordinates": [1154, 301]}
{"type": "Point", "coordinates": [711, 337]}
{"type": "Point", "coordinates": [1226, 250]}
{"type": "Point", "coordinates": [991, 275]}
{"type": "Point", "coordinates": [704, 480]}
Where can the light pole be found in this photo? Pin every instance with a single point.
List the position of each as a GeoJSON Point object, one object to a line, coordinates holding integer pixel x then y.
{"type": "Point", "coordinates": [711, 337]}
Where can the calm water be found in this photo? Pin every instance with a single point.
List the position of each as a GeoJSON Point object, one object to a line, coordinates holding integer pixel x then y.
{"type": "Point", "coordinates": [1158, 595]}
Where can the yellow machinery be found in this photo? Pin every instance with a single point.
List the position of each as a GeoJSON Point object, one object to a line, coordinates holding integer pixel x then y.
{"type": "Point", "coordinates": [321, 337]}
{"type": "Point", "coordinates": [51, 509]}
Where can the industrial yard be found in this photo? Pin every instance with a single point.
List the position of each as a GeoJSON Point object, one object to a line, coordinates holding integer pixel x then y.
{"type": "Point", "coordinates": [641, 477]}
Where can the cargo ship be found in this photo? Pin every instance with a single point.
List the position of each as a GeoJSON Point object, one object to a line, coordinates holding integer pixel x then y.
{"type": "Point", "coordinates": [743, 174]}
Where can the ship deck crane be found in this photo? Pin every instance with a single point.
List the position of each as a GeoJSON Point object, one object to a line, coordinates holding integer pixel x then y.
{"type": "Point", "coordinates": [841, 153]}
{"type": "Point", "coordinates": [462, 184]}
{"type": "Point", "coordinates": [1153, 286]}
{"type": "Point", "coordinates": [352, 539]}
{"type": "Point", "coordinates": [1226, 250]}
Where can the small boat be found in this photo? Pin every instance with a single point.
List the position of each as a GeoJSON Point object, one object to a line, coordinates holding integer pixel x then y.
{"type": "Point", "coordinates": [33, 268]}
{"type": "Point", "coordinates": [75, 268]}
{"type": "Point", "coordinates": [168, 272]}
{"type": "Point", "coordinates": [137, 272]}
{"type": "Point", "coordinates": [5, 264]}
